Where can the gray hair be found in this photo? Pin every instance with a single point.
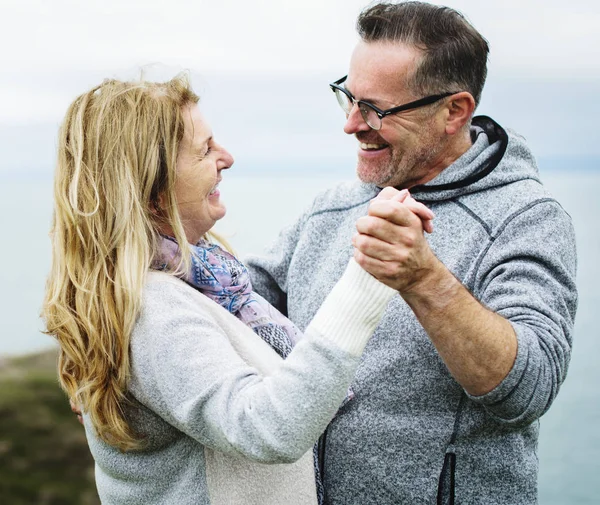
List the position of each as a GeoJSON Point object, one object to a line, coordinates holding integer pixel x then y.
{"type": "Point", "coordinates": [454, 52]}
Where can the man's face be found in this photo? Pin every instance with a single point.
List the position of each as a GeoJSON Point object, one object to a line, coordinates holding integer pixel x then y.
{"type": "Point", "coordinates": [408, 149]}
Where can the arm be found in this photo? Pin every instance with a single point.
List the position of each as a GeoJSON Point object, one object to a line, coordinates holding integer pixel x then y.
{"type": "Point", "coordinates": [186, 370]}
{"type": "Point", "coordinates": [268, 271]}
{"type": "Point", "coordinates": [478, 346]}
{"type": "Point", "coordinates": [512, 355]}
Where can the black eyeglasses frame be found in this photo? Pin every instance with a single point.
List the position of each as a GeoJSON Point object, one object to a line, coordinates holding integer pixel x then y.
{"type": "Point", "coordinates": [421, 102]}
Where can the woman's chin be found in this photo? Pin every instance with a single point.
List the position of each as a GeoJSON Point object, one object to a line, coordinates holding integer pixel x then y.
{"type": "Point", "coordinates": [219, 212]}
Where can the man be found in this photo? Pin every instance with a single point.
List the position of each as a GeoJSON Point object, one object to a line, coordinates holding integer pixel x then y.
{"type": "Point", "coordinates": [474, 350]}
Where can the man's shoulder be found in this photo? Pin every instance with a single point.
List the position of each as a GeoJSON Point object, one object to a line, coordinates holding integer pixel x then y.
{"type": "Point", "coordinates": [498, 207]}
{"type": "Point", "coordinates": [343, 196]}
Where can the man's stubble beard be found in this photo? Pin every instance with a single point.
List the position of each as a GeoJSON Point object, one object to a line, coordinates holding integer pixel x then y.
{"type": "Point", "coordinates": [403, 169]}
{"type": "Point", "coordinates": [379, 175]}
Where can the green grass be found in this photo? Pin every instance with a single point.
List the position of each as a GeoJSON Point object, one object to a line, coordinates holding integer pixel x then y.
{"type": "Point", "coordinates": [44, 457]}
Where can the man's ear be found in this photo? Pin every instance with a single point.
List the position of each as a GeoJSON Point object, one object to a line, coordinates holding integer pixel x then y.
{"type": "Point", "coordinates": [460, 109]}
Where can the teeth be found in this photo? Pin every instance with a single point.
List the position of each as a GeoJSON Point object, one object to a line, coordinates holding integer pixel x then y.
{"type": "Point", "coordinates": [214, 189]}
{"type": "Point", "coordinates": [371, 146]}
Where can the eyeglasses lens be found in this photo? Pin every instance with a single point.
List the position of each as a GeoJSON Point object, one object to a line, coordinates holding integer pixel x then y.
{"type": "Point", "coordinates": [344, 101]}
{"type": "Point", "coordinates": [370, 116]}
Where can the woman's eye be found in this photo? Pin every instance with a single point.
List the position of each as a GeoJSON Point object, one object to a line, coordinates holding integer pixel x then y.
{"type": "Point", "coordinates": [203, 155]}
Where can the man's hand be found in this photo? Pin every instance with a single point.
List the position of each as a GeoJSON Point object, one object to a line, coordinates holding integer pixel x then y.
{"type": "Point", "coordinates": [390, 243]}
{"type": "Point", "coordinates": [478, 346]}
{"type": "Point", "coordinates": [403, 196]}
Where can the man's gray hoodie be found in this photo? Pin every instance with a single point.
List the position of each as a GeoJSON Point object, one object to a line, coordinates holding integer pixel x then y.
{"type": "Point", "coordinates": [412, 434]}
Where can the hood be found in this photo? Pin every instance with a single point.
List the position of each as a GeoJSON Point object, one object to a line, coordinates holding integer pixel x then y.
{"type": "Point", "coordinates": [496, 158]}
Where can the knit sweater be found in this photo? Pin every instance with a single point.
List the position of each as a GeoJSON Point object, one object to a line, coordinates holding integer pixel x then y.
{"type": "Point", "coordinates": [225, 420]}
{"type": "Point", "coordinates": [500, 232]}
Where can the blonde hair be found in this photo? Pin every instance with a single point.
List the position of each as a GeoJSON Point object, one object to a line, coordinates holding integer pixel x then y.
{"type": "Point", "coordinates": [117, 153]}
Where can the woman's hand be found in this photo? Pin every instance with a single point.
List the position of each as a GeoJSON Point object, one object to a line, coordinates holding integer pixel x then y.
{"type": "Point", "coordinates": [76, 410]}
{"type": "Point", "coordinates": [404, 196]}
{"type": "Point", "coordinates": [390, 243]}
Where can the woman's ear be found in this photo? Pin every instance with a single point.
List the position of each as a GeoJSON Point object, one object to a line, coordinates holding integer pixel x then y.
{"type": "Point", "coordinates": [157, 207]}
{"type": "Point", "coordinates": [460, 110]}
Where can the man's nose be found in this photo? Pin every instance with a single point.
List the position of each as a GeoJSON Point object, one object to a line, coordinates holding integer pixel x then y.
{"type": "Point", "coordinates": [355, 122]}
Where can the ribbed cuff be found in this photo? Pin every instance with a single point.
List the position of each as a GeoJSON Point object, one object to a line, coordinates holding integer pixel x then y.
{"type": "Point", "coordinates": [353, 309]}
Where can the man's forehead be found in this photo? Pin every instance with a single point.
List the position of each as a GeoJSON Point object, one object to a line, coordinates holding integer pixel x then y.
{"type": "Point", "coordinates": [381, 70]}
{"type": "Point", "coordinates": [386, 52]}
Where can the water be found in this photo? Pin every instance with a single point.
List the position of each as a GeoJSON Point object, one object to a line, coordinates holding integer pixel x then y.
{"type": "Point", "coordinates": [26, 210]}
{"type": "Point", "coordinates": [258, 207]}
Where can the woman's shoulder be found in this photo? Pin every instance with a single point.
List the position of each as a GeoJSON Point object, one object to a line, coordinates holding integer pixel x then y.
{"type": "Point", "coordinates": [162, 288]}
{"type": "Point", "coordinates": [159, 281]}
{"type": "Point", "coordinates": [190, 319]}
{"type": "Point", "coordinates": [169, 302]}
{"type": "Point", "coordinates": [172, 314]}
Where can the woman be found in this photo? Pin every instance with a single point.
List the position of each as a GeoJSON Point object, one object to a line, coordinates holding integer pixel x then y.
{"type": "Point", "coordinates": [183, 402]}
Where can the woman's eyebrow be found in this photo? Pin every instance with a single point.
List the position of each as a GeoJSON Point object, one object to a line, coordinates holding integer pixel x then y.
{"type": "Point", "coordinates": [200, 147]}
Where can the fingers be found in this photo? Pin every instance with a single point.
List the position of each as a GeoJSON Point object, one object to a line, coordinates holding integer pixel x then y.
{"type": "Point", "coordinates": [418, 208]}
{"type": "Point", "coordinates": [76, 410]}
{"type": "Point", "coordinates": [395, 212]}
{"type": "Point", "coordinates": [367, 262]}
{"type": "Point", "coordinates": [389, 195]}
{"type": "Point", "coordinates": [382, 270]}
{"type": "Point", "coordinates": [390, 244]}
{"type": "Point", "coordinates": [74, 407]}
{"type": "Point", "coordinates": [377, 227]}
{"type": "Point", "coordinates": [375, 248]}
{"type": "Point", "coordinates": [387, 232]}
{"type": "Point", "coordinates": [422, 212]}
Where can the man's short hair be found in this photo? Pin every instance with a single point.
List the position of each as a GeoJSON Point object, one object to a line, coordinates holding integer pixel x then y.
{"type": "Point", "coordinates": [454, 52]}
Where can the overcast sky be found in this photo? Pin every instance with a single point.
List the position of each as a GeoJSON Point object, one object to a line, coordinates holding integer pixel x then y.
{"type": "Point", "coordinates": [272, 35]}
{"type": "Point", "coordinates": [53, 50]}
{"type": "Point", "coordinates": [41, 38]}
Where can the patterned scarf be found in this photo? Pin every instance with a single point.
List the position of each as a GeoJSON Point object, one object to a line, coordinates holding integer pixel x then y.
{"type": "Point", "coordinates": [223, 278]}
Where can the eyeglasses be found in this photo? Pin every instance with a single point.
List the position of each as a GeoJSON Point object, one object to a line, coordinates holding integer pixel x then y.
{"type": "Point", "coordinates": [372, 114]}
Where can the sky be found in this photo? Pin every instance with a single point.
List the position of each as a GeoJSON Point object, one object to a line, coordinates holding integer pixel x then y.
{"type": "Point", "coordinates": [262, 68]}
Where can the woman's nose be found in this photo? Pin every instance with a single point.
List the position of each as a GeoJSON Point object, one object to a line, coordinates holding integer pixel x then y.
{"type": "Point", "coordinates": [225, 160]}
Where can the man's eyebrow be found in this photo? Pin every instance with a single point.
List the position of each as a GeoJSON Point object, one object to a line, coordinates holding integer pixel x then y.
{"type": "Point", "coordinates": [373, 101]}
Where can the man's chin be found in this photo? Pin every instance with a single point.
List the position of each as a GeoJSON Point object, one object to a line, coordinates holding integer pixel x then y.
{"type": "Point", "coordinates": [372, 174]}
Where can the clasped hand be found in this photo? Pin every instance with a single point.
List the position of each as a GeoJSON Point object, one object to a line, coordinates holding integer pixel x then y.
{"type": "Point", "coordinates": [390, 243]}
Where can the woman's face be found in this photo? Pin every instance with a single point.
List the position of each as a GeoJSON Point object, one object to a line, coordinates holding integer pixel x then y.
{"type": "Point", "coordinates": [199, 165]}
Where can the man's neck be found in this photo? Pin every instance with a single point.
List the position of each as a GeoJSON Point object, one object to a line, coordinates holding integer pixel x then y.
{"type": "Point", "coordinates": [456, 147]}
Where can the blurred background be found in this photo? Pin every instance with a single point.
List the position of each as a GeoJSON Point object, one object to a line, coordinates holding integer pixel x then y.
{"type": "Point", "coordinates": [262, 68]}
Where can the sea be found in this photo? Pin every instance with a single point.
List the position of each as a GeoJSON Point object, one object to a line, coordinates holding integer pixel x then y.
{"type": "Point", "coordinates": [261, 204]}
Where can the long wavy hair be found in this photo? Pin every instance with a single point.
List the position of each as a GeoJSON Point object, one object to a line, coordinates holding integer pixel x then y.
{"type": "Point", "coordinates": [117, 154]}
